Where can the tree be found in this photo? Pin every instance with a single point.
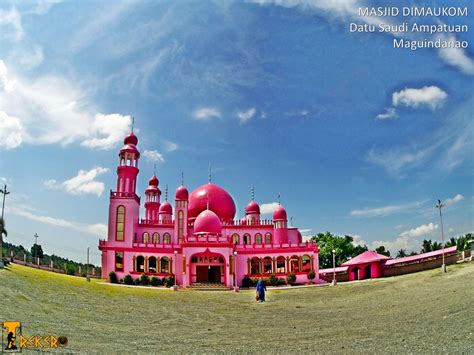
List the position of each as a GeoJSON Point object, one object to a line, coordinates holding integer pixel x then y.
{"type": "Point", "coordinates": [381, 250]}
{"type": "Point", "coordinates": [401, 253]}
{"type": "Point", "coordinates": [344, 247]}
{"type": "Point", "coordinates": [2, 232]}
{"type": "Point", "coordinates": [426, 247]}
{"type": "Point", "coordinates": [37, 251]}
{"type": "Point", "coordinates": [451, 242]}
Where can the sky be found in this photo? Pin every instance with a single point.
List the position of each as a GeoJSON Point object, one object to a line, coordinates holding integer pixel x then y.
{"type": "Point", "coordinates": [356, 136]}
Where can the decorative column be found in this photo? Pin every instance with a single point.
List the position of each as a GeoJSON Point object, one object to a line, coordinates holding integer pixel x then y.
{"type": "Point", "coordinates": [274, 266]}
{"type": "Point", "coordinates": [288, 264]}
{"type": "Point", "coordinates": [312, 262]}
{"type": "Point", "coordinates": [248, 266]}
{"type": "Point", "coordinates": [134, 263]}
{"type": "Point", "coordinates": [146, 264]}
{"type": "Point", "coordinates": [171, 264]}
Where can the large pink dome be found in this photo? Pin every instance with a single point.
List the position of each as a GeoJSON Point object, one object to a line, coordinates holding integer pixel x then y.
{"type": "Point", "coordinates": [279, 214]}
{"type": "Point", "coordinates": [182, 193]}
{"type": "Point", "coordinates": [165, 208]}
{"type": "Point", "coordinates": [207, 222]}
{"type": "Point", "coordinates": [252, 208]}
{"type": "Point", "coordinates": [220, 202]}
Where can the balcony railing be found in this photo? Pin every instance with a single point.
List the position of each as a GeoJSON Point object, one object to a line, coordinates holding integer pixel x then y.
{"type": "Point", "coordinates": [116, 194]}
{"type": "Point", "coordinates": [207, 239]}
{"type": "Point", "coordinates": [156, 222]}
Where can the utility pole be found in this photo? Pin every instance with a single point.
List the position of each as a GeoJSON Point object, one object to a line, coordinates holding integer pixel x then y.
{"type": "Point", "coordinates": [5, 193]}
{"type": "Point", "coordinates": [88, 279]}
{"type": "Point", "coordinates": [36, 236]}
{"type": "Point", "coordinates": [439, 206]}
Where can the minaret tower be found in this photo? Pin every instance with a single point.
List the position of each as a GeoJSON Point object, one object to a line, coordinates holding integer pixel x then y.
{"type": "Point", "coordinates": [280, 224]}
{"type": "Point", "coordinates": [152, 203]}
{"type": "Point", "coordinates": [127, 170]}
{"type": "Point", "coordinates": [181, 211]}
{"type": "Point", "coordinates": [166, 211]}
{"type": "Point", "coordinates": [252, 211]}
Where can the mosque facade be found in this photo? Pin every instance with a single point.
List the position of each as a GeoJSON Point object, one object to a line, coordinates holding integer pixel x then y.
{"type": "Point", "coordinates": [198, 240]}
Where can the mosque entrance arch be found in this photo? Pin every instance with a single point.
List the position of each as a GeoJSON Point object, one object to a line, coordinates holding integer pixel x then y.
{"type": "Point", "coordinates": [207, 267]}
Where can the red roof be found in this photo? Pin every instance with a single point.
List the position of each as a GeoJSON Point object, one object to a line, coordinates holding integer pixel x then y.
{"type": "Point", "coordinates": [331, 270]}
{"type": "Point", "coordinates": [412, 258]}
{"type": "Point", "coordinates": [366, 257]}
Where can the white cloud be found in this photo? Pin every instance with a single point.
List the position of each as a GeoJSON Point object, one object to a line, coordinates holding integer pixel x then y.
{"type": "Point", "coordinates": [107, 130]}
{"type": "Point", "coordinates": [244, 116]}
{"type": "Point", "coordinates": [170, 146]}
{"type": "Point", "coordinates": [268, 208]}
{"type": "Point", "coordinates": [389, 114]}
{"type": "Point", "coordinates": [30, 58]}
{"type": "Point", "coordinates": [43, 6]}
{"type": "Point", "coordinates": [98, 229]}
{"type": "Point", "coordinates": [10, 24]}
{"type": "Point", "coordinates": [385, 210]}
{"type": "Point", "coordinates": [206, 113]}
{"type": "Point", "coordinates": [453, 200]}
{"type": "Point", "coordinates": [84, 182]}
{"type": "Point", "coordinates": [430, 96]}
{"type": "Point", "coordinates": [51, 110]}
{"type": "Point", "coordinates": [456, 57]}
{"type": "Point", "coordinates": [11, 131]}
{"type": "Point", "coordinates": [419, 231]}
{"type": "Point", "coordinates": [397, 160]}
{"type": "Point", "coordinates": [153, 155]}
{"type": "Point", "coordinates": [50, 184]}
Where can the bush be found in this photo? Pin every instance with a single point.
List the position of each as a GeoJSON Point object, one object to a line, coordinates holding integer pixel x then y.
{"type": "Point", "coordinates": [144, 280]}
{"type": "Point", "coordinates": [113, 277]}
{"type": "Point", "coordinates": [70, 269]}
{"type": "Point", "coordinates": [273, 280]}
{"type": "Point", "coordinates": [121, 281]}
{"type": "Point", "coordinates": [136, 281]}
{"type": "Point", "coordinates": [291, 278]}
{"type": "Point", "coordinates": [155, 281]}
{"type": "Point", "coordinates": [281, 282]}
{"type": "Point", "coordinates": [128, 280]}
{"type": "Point", "coordinates": [247, 282]}
{"type": "Point", "coordinates": [169, 281]}
{"type": "Point", "coordinates": [311, 275]}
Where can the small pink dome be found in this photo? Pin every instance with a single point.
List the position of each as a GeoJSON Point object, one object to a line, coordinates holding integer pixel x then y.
{"type": "Point", "coordinates": [165, 208]}
{"type": "Point", "coordinates": [207, 222]}
{"type": "Point", "coordinates": [182, 193]}
{"type": "Point", "coordinates": [131, 139]}
{"type": "Point", "coordinates": [279, 214]}
{"type": "Point", "coordinates": [153, 181]}
{"type": "Point", "coordinates": [252, 207]}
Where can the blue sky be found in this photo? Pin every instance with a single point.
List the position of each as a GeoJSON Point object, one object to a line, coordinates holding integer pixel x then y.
{"type": "Point", "coordinates": [358, 137]}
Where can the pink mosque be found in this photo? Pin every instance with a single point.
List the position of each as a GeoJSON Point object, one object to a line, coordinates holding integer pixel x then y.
{"type": "Point", "coordinates": [200, 241]}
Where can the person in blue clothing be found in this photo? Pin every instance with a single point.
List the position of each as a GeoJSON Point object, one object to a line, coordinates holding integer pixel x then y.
{"type": "Point", "coordinates": [261, 288]}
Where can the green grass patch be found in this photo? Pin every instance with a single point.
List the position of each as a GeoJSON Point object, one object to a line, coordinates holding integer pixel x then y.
{"type": "Point", "coordinates": [423, 312]}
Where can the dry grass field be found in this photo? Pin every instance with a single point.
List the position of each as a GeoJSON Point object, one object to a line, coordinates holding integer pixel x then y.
{"type": "Point", "coordinates": [424, 312]}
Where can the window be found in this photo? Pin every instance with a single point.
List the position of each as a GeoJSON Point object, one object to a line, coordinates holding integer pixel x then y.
{"type": "Point", "coordinates": [140, 264]}
{"type": "Point", "coordinates": [120, 223]}
{"type": "Point", "coordinates": [268, 238]}
{"type": "Point", "coordinates": [167, 238]}
{"type": "Point", "coordinates": [180, 226]}
{"type": "Point", "coordinates": [306, 263]}
{"type": "Point", "coordinates": [255, 266]}
{"type": "Point", "coordinates": [118, 261]}
{"type": "Point", "coordinates": [267, 265]}
{"type": "Point", "coordinates": [164, 265]}
{"type": "Point", "coordinates": [246, 238]}
{"type": "Point", "coordinates": [152, 264]}
{"type": "Point", "coordinates": [258, 238]}
{"type": "Point", "coordinates": [281, 264]}
{"type": "Point", "coordinates": [156, 238]}
{"type": "Point", "coordinates": [235, 238]}
{"type": "Point", "coordinates": [145, 238]}
{"type": "Point", "coordinates": [295, 263]}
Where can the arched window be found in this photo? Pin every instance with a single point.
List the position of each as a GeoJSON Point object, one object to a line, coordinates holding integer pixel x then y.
{"type": "Point", "coordinates": [255, 266]}
{"type": "Point", "coordinates": [281, 265]}
{"type": "Point", "coordinates": [145, 238]}
{"type": "Point", "coordinates": [180, 226]}
{"type": "Point", "coordinates": [120, 223]}
{"type": "Point", "coordinates": [267, 265]}
{"type": "Point", "coordinates": [246, 238]}
{"type": "Point", "coordinates": [140, 264]}
{"type": "Point", "coordinates": [295, 263]}
{"type": "Point", "coordinates": [118, 261]}
{"type": "Point", "coordinates": [258, 238]}
{"type": "Point", "coordinates": [156, 238]}
{"type": "Point", "coordinates": [152, 264]}
{"type": "Point", "coordinates": [167, 238]}
{"type": "Point", "coordinates": [306, 263]}
{"type": "Point", "coordinates": [235, 238]}
{"type": "Point", "coordinates": [268, 238]}
{"type": "Point", "coordinates": [164, 265]}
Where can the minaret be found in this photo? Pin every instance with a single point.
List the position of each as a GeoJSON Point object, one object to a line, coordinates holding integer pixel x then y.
{"type": "Point", "coordinates": [252, 211]}
{"type": "Point", "coordinates": [181, 211]}
{"type": "Point", "coordinates": [152, 203]}
{"type": "Point", "coordinates": [124, 203]}
{"type": "Point", "coordinates": [280, 224]}
{"type": "Point", "coordinates": [166, 211]}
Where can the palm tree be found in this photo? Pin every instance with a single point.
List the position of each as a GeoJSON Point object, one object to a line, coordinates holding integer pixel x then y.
{"type": "Point", "coordinates": [401, 253]}
{"type": "Point", "coordinates": [2, 232]}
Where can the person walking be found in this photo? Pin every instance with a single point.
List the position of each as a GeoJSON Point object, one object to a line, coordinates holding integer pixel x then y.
{"type": "Point", "coordinates": [261, 288]}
